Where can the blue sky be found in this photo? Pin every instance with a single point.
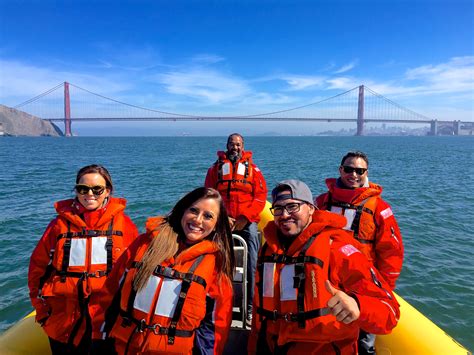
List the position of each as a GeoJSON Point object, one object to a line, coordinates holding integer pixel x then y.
{"type": "Point", "coordinates": [239, 57]}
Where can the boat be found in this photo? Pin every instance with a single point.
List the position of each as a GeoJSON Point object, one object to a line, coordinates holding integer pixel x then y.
{"type": "Point", "coordinates": [414, 334]}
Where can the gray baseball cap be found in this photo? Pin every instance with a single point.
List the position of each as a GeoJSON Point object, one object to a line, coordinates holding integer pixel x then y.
{"type": "Point", "coordinates": [298, 191]}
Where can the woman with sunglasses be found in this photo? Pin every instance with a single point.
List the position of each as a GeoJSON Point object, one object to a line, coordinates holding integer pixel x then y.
{"type": "Point", "coordinates": [171, 292]}
{"type": "Point", "coordinates": [73, 258]}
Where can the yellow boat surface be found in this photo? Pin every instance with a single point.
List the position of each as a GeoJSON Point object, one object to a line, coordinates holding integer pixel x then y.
{"type": "Point", "coordinates": [414, 334]}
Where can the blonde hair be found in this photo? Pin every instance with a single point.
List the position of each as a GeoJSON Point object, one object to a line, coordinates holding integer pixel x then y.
{"type": "Point", "coordinates": [163, 246]}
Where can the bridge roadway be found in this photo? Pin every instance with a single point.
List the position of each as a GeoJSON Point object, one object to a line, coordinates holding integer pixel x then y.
{"type": "Point", "coordinates": [249, 118]}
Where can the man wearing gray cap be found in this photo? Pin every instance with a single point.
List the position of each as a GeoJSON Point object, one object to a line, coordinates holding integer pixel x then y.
{"type": "Point", "coordinates": [314, 289]}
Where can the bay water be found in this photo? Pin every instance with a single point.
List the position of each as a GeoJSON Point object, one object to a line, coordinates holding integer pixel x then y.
{"type": "Point", "coordinates": [427, 180]}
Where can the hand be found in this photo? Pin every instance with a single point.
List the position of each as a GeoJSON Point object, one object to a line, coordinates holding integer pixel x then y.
{"type": "Point", "coordinates": [343, 306]}
{"type": "Point", "coordinates": [240, 223]}
{"type": "Point", "coordinates": [231, 223]}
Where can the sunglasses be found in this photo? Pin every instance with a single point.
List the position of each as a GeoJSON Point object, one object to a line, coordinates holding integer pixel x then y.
{"type": "Point", "coordinates": [84, 189]}
{"type": "Point", "coordinates": [289, 208]}
{"type": "Point", "coordinates": [350, 170]}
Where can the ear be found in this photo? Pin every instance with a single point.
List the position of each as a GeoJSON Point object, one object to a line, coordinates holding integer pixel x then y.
{"type": "Point", "coordinates": [311, 209]}
{"type": "Point", "coordinates": [340, 170]}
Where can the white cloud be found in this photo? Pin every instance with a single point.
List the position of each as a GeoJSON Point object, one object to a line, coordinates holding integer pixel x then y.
{"type": "Point", "coordinates": [347, 67]}
{"type": "Point", "coordinates": [20, 81]}
{"type": "Point", "coordinates": [300, 82]}
{"type": "Point", "coordinates": [207, 59]}
{"type": "Point", "coordinates": [210, 85]}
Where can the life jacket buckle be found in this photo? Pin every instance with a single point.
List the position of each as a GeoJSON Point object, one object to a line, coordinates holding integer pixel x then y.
{"type": "Point", "coordinates": [156, 328]}
{"type": "Point", "coordinates": [274, 315]}
{"type": "Point", "coordinates": [91, 233]}
{"type": "Point", "coordinates": [288, 317]}
{"type": "Point", "coordinates": [142, 326]}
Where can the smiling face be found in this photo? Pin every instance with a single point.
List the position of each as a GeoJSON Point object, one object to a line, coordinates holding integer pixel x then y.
{"type": "Point", "coordinates": [292, 224]}
{"type": "Point", "coordinates": [89, 200]}
{"type": "Point", "coordinates": [352, 179]}
{"type": "Point", "coordinates": [199, 220]}
{"type": "Point", "coordinates": [235, 145]}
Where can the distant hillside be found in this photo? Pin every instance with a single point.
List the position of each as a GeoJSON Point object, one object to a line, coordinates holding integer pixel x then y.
{"type": "Point", "coordinates": [18, 123]}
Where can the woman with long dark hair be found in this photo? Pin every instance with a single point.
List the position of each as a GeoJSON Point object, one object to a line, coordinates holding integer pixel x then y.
{"type": "Point", "coordinates": [171, 292]}
{"type": "Point", "coordinates": [73, 258]}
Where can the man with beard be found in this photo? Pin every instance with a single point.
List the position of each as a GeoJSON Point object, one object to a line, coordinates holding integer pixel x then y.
{"type": "Point", "coordinates": [244, 191]}
{"type": "Point", "coordinates": [314, 288]}
{"type": "Point", "coordinates": [370, 219]}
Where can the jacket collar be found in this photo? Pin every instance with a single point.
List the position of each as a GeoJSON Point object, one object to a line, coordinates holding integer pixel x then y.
{"type": "Point", "coordinates": [71, 210]}
{"type": "Point", "coordinates": [352, 195]}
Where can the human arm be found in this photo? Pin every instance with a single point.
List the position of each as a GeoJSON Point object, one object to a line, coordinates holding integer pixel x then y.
{"type": "Point", "coordinates": [388, 244]}
{"type": "Point", "coordinates": [212, 334]}
{"type": "Point", "coordinates": [211, 177]}
{"type": "Point", "coordinates": [352, 273]}
{"type": "Point", "coordinates": [105, 310]}
{"type": "Point", "coordinates": [251, 208]}
{"type": "Point", "coordinates": [37, 271]}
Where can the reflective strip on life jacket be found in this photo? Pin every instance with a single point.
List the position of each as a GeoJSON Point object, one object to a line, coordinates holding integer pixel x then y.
{"type": "Point", "coordinates": [292, 282]}
{"type": "Point", "coordinates": [352, 213]}
{"type": "Point", "coordinates": [171, 298]}
{"type": "Point", "coordinates": [75, 249]}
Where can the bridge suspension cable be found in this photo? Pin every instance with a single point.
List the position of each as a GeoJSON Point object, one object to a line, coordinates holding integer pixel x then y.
{"type": "Point", "coordinates": [39, 96]}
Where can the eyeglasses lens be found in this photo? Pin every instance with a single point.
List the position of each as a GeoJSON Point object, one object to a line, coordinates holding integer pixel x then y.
{"type": "Point", "coordinates": [290, 208]}
{"type": "Point", "coordinates": [350, 170]}
{"type": "Point", "coordinates": [84, 189]}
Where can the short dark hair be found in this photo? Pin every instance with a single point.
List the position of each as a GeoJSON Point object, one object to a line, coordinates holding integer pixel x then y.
{"type": "Point", "coordinates": [355, 154]}
{"type": "Point", "coordinates": [96, 169]}
{"type": "Point", "coordinates": [235, 134]}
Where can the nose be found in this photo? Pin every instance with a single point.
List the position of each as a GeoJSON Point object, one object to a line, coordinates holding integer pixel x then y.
{"type": "Point", "coordinates": [199, 217]}
{"type": "Point", "coordinates": [89, 192]}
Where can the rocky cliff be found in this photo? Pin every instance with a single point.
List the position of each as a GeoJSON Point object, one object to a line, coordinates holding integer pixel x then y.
{"type": "Point", "coordinates": [18, 123]}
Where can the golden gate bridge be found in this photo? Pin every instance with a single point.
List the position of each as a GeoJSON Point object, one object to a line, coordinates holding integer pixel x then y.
{"type": "Point", "coordinates": [69, 103]}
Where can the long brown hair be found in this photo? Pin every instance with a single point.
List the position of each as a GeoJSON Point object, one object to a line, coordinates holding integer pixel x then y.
{"type": "Point", "coordinates": [166, 245]}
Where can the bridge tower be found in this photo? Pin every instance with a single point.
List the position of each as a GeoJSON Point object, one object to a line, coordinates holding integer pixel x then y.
{"type": "Point", "coordinates": [67, 111]}
{"type": "Point", "coordinates": [456, 127]}
{"type": "Point", "coordinates": [360, 112]}
{"type": "Point", "coordinates": [434, 128]}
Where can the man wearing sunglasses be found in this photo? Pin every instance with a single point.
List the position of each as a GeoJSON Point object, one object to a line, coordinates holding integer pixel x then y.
{"type": "Point", "coordinates": [314, 289]}
{"type": "Point", "coordinates": [370, 219]}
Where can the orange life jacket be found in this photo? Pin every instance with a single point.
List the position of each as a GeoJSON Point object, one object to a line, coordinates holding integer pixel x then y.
{"type": "Point", "coordinates": [236, 176]}
{"type": "Point", "coordinates": [360, 219]}
{"type": "Point", "coordinates": [162, 317]}
{"type": "Point", "coordinates": [292, 293]}
{"type": "Point", "coordinates": [83, 257]}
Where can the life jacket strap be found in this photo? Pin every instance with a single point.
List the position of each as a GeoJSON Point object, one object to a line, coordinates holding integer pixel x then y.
{"type": "Point", "coordinates": [286, 259]}
{"type": "Point", "coordinates": [356, 221]}
{"type": "Point", "coordinates": [293, 317]}
{"type": "Point", "coordinates": [171, 273]}
{"type": "Point", "coordinates": [66, 254]}
{"type": "Point", "coordinates": [182, 297]}
{"type": "Point", "coordinates": [91, 233]}
{"type": "Point", "coordinates": [157, 329]}
{"type": "Point", "coordinates": [109, 245]}
{"type": "Point", "coordinates": [298, 280]}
